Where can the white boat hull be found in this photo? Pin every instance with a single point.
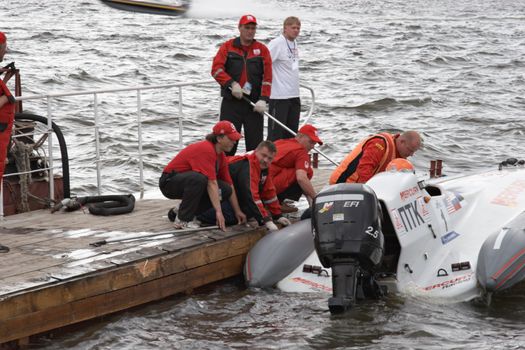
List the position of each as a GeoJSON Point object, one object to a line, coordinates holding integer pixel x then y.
{"type": "Point", "coordinates": [438, 228]}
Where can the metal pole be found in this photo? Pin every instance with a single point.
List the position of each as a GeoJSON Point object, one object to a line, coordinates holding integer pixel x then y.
{"type": "Point", "coordinates": [97, 144]}
{"type": "Point", "coordinates": [141, 162]}
{"type": "Point", "coordinates": [180, 118]}
{"type": "Point", "coordinates": [50, 146]}
{"type": "Point", "coordinates": [288, 129]}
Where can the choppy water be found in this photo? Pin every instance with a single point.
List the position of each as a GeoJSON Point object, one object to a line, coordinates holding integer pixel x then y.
{"type": "Point", "coordinates": [453, 70]}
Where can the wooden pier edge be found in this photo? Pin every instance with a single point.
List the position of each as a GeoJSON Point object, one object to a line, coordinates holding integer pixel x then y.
{"type": "Point", "coordinates": [108, 291]}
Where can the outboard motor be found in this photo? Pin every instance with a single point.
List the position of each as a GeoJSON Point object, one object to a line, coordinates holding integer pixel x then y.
{"type": "Point", "coordinates": [348, 238]}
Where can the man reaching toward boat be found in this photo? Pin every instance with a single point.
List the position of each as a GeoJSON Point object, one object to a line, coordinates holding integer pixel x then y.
{"type": "Point", "coordinates": [199, 176]}
{"type": "Point", "coordinates": [254, 188]}
{"type": "Point", "coordinates": [291, 170]}
{"type": "Point", "coordinates": [373, 154]}
{"type": "Point", "coordinates": [243, 68]}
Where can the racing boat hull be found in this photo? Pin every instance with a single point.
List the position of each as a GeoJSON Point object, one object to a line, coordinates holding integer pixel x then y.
{"type": "Point", "coordinates": [146, 7]}
{"type": "Point", "coordinates": [451, 239]}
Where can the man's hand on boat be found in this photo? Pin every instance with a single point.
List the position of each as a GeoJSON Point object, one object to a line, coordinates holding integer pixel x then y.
{"type": "Point", "coordinates": [271, 226]}
{"type": "Point", "coordinates": [284, 221]}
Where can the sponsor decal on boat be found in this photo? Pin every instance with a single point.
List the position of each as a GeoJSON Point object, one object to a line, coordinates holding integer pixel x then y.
{"type": "Point", "coordinates": [326, 207]}
{"type": "Point", "coordinates": [449, 237]}
{"type": "Point", "coordinates": [396, 221]}
{"type": "Point", "coordinates": [351, 204]}
{"type": "Point", "coordinates": [338, 217]}
{"type": "Point", "coordinates": [408, 193]}
{"type": "Point", "coordinates": [509, 196]}
{"type": "Point", "coordinates": [314, 285]}
{"type": "Point", "coordinates": [410, 216]}
{"type": "Point", "coordinates": [452, 202]}
{"type": "Point", "coordinates": [449, 283]}
{"type": "Point", "coordinates": [423, 207]}
{"type": "Point", "coordinates": [371, 232]}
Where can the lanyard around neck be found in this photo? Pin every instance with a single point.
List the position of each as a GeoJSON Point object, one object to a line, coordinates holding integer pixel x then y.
{"type": "Point", "coordinates": [292, 50]}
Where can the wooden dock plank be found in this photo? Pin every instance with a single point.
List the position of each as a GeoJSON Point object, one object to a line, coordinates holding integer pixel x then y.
{"type": "Point", "coordinates": [17, 237]}
{"type": "Point", "coordinates": [53, 277]}
{"type": "Point", "coordinates": [121, 299]}
{"type": "Point", "coordinates": [27, 281]}
{"type": "Point", "coordinates": [128, 275]}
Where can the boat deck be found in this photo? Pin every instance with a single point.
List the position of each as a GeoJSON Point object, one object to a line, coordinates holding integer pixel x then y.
{"type": "Point", "coordinates": [52, 276]}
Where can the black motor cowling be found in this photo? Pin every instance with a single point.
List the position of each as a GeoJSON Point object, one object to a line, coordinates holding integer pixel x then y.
{"type": "Point", "coordinates": [348, 238]}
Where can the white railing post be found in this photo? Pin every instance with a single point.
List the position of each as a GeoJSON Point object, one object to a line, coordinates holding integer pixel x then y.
{"type": "Point", "coordinates": [97, 143]}
{"type": "Point", "coordinates": [139, 90]}
{"type": "Point", "coordinates": [312, 105]}
{"type": "Point", "coordinates": [50, 146]}
{"type": "Point", "coordinates": [139, 124]}
{"type": "Point", "coordinates": [180, 118]}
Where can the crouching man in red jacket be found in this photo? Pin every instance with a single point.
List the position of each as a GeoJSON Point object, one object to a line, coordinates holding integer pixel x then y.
{"type": "Point", "coordinates": [254, 187]}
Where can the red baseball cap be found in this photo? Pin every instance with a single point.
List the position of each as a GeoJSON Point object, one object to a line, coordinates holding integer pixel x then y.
{"type": "Point", "coordinates": [3, 39]}
{"type": "Point", "coordinates": [225, 127]}
{"type": "Point", "coordinates": [311, 132]}
{"type": "Point", "coordinates": [247, 19]}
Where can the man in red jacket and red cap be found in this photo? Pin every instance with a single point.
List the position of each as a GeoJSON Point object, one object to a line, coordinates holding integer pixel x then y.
{"type": "Point", "coordinates": [291, 170]}
{"type": "Point", "coordinates": [243, 67]}
{"type": "Point", "coordinates": [199, 176]}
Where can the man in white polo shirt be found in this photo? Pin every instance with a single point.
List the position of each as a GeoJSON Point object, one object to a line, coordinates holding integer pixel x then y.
{"type": "Point", "coordinates": [285, 104]}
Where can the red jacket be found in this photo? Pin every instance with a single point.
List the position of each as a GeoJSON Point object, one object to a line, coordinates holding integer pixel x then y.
{"type": "Point", "coordinates": [369, 157]}
{"type": "Point", "coordinates": [201, 157]}
{"type": "Point", "coordinates": [291, 156]}
{"type": "Point", "coordinates": [7, 111]}
{"type": "Point", "coordinates": [254, 188]}
{"type": "Point", "coordinates": [253, 63]}
{"type": "Point", "coordinates": [7, 115]}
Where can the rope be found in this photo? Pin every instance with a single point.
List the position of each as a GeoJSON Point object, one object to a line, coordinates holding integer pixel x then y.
{"type": "Point", "coordinates": [22, 152]}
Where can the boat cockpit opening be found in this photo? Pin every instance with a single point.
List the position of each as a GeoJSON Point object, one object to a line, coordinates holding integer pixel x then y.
{"type": "Point", "coordinates": [433, 190]}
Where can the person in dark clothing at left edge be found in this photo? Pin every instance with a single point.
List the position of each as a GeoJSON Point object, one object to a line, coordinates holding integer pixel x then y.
{"type": "Point", "coordinates": [243, 67]}
{"type": "Point", "coordinates": [199, 176]}
{"type": "Point", "coordinates": [7, 116]}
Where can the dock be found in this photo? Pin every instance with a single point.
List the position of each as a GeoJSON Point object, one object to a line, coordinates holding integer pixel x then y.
{"type": "Point", "coordinates": [54, 277]}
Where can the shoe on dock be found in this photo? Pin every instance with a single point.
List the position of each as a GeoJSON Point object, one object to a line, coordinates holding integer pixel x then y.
{"type": "Point", "coordinates": [172, 214]}
{"type": "Point", "coordinates": [180, 225]}
{"type": "Point", "coordinates": [4, 249]}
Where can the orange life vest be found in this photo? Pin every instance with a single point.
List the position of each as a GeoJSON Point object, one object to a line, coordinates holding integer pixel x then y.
{"type": "Point", "coordinates": [346, 171]}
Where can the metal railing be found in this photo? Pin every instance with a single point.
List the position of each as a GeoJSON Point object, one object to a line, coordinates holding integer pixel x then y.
{"type": "Point", "coordinates": [95, 93]}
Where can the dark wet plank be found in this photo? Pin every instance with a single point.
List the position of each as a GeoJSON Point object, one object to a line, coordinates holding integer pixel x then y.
{"type": "Point", "coordinates": [53, 277]}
